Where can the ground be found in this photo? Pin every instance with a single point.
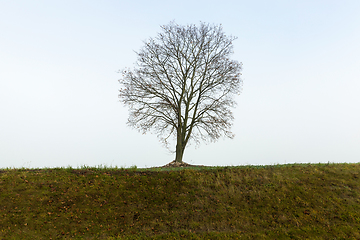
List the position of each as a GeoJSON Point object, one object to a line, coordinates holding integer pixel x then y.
{"type": "Point", "coordinates": [176, 164]}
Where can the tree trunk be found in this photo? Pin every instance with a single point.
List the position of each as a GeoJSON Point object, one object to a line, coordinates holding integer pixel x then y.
{"type": "Point", "coordinates": [179, 154]}
{"type": "Point", "coordinates": [180, 147]}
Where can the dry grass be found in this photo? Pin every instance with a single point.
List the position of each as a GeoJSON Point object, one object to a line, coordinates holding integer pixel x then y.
{"type": "Point", "coordinates": [301, 201]}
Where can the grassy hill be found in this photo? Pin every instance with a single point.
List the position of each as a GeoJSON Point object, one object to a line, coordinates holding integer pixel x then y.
{"type": "Point", "coordinates": [301, 201]}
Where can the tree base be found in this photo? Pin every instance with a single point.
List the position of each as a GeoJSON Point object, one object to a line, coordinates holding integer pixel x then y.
{"type": "Point", "coordinates": [177, 164]}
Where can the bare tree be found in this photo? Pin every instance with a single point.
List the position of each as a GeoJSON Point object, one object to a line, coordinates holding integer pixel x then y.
{"type": "Point", "coordinates": [183, 85]}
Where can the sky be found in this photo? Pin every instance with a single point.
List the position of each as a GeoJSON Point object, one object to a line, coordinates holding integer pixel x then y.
{"type": "Point", "coordinates": [59, 63]}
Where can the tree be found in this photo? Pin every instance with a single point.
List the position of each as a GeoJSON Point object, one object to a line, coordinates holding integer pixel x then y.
{"type": "Point", "coordinates": [183, 85]}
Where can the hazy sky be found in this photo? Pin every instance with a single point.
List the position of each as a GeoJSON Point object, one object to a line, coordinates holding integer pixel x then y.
{"type": "Point", "coordinates": [59, 85]}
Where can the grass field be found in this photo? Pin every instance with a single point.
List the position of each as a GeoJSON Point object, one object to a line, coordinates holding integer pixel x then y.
{"type": "Point", "coordinates": [300, 201]}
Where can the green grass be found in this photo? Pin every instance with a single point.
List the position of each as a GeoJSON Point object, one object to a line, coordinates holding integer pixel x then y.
{"type": "Point", "coordinates": [299, 201]}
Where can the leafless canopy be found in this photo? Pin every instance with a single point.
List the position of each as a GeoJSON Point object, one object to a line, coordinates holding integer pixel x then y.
{"type": "Point", "coordinates": [183, 85]}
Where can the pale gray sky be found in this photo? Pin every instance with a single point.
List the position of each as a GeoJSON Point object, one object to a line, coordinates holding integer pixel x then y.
{"type": "Point", "coordinates": [58, 81]}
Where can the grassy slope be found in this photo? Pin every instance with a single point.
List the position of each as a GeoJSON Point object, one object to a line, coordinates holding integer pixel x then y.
{"type": "Point", "coordinates": [320, 201]}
